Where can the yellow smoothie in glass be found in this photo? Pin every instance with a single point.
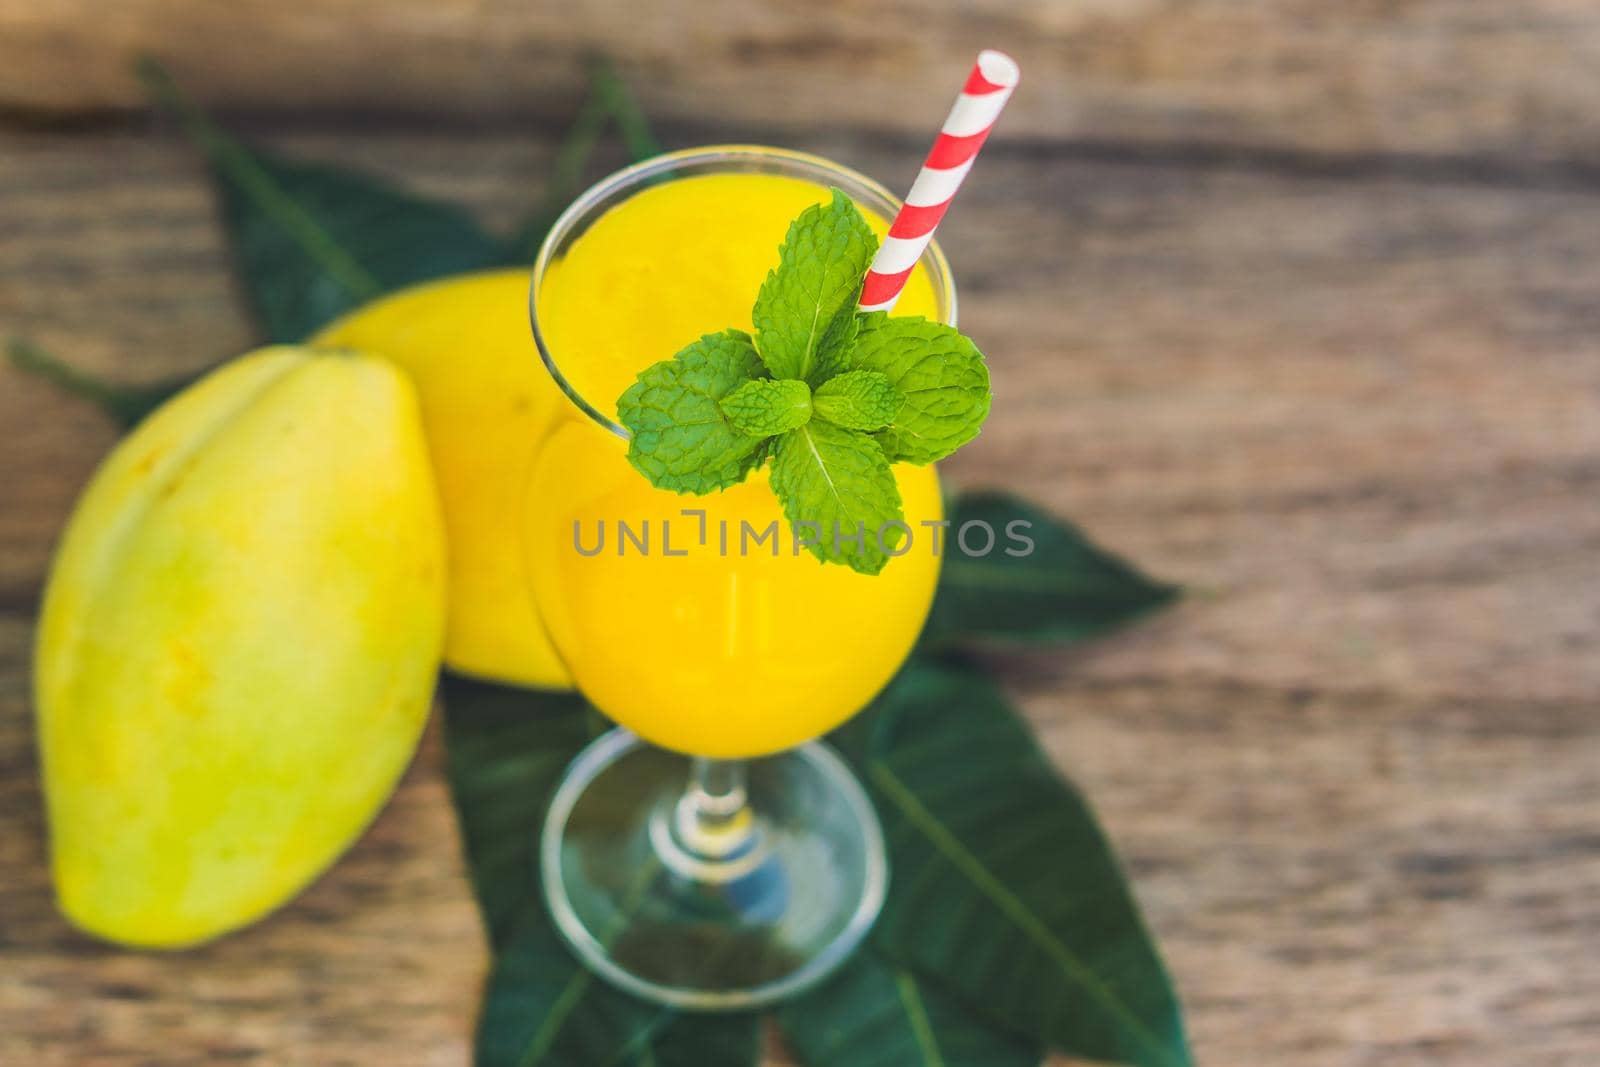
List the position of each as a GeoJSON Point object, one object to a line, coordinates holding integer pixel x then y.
{"type": "Point", "coordinates": [700, 633]}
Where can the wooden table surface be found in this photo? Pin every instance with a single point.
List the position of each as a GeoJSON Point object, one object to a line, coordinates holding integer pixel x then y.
{"type": "Point", "coordinates": [1296, 303]}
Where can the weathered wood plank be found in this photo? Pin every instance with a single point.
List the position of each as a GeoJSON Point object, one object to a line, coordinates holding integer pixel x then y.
{"type": "Point", "coordinates": [1354, 879]}
{"type": "Point", "coordinates": [1411, 76]}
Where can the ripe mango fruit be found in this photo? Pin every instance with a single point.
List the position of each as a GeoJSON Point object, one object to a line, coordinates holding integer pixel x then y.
{"type": "Point", "coordinates": [238, 644]}
{"type": "Point", "coordinates": [487, 402]}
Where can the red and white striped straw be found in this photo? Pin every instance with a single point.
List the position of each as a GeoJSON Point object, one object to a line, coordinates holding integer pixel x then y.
{"type": "Point", "coordinates": [988, 88]}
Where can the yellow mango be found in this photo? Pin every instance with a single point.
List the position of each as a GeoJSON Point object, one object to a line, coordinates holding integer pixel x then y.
{"type": "Point", "coordinates": [486, 404]}
{"type": "Point", "coordinates": [238, 645]}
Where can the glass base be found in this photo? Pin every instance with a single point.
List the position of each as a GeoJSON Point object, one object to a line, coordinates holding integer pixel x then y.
{"type": "Point", "coordinates": [709, 902]}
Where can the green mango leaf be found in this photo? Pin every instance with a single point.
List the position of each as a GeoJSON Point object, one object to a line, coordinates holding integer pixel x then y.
{"type": "Point", "coordinates": [507, 749]}
{"type": "Point", "coordinates": [564, 180]}
{"type": "Point", "coordinates": [697, 1040]}
{"type": "Point", "coordinates": [1063, 588]}
{"type": "Point", "coordinates": [607, 84]}
{"type": "Point", "coordinates": [126, 404]}
{"type": "Point", "coordinates": [313, 242]}
{"type": "Point", "coordinates": [316, 241]}
{"type": "Point", "coordinates": [874, 1013]}
{"type": "Point", "coordinates": [1004, 885]}
{"type": "Point", "coordinates": [609, 100]}
{"type": "Point", "coordinates": [541, 1008]}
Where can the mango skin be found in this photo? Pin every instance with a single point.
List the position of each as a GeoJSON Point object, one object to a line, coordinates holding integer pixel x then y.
{"type": "Point", "coordinates": [238, 645]}
{"type": "Point", "coordinates": [487, 403]}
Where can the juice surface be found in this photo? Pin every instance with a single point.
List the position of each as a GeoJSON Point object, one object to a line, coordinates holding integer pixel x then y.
{"type": "Point", "coordinates": [673, 262]}
{"type": "Point", "coordinates": [733, 648]}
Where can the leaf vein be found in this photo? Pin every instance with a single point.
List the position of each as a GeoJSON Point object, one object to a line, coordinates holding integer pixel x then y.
{"type": "Point", "coordinates": [1012, 907]}
{"type": "Point", "coordinates": [917, 1018]}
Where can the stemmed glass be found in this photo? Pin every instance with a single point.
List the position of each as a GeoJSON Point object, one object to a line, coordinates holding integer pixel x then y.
{"type": "Point", "coordinates": [708, 853]}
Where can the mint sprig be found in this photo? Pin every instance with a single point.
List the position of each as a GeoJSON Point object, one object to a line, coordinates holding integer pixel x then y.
{"type": "Point", "coordinates": [837, 487]}
{"type": "Point", "coordinates": [859, 400]}
{"type": "Point", "coordinates": [768, 406]}
{"type": "Point", "coordinates": [939, 373]}
{"type": "Point", "coordinates": [805, 314]}
{"type": "Point", "coordinates": [681, 439]}
{"type": "Point", "coordinates": [831, 395]}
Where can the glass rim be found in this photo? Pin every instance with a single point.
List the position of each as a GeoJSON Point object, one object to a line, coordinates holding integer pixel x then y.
{"type": "Point", "coordinates": [789, 161]}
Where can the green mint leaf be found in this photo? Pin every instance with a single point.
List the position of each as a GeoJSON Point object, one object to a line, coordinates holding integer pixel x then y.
{"type": "Point", "coordinates": [766, 406]}
{"type": "Point", "coordinates": [833, 354]}
{"type": "Point", "coordinates": [941, 375]}
{"type": "Point", "coordinates": [681, 439]}
{"type": "Point", "coordinates": [836, 484]}
{"type": "Point", "coordinates": [858, 400]}
{"type": "Point", "coordinates": [805, 313]}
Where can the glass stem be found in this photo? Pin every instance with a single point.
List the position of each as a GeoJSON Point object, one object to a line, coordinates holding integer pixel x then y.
{"type": "Point", "coordinates": [713, 820]}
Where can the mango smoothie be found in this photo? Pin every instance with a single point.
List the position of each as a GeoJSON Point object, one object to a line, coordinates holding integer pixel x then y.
{"type": "Point", "coordinates": [696, 621]}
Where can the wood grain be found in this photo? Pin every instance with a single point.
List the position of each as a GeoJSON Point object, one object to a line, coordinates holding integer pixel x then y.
{"type": "Point", "coordinates": [1457, 77]}
{"type": "Point", "coordinates": [1348, 401]}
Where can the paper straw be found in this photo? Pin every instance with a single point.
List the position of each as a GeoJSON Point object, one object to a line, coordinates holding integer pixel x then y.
{"type": "Point", "coordinates": [988, 88]}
